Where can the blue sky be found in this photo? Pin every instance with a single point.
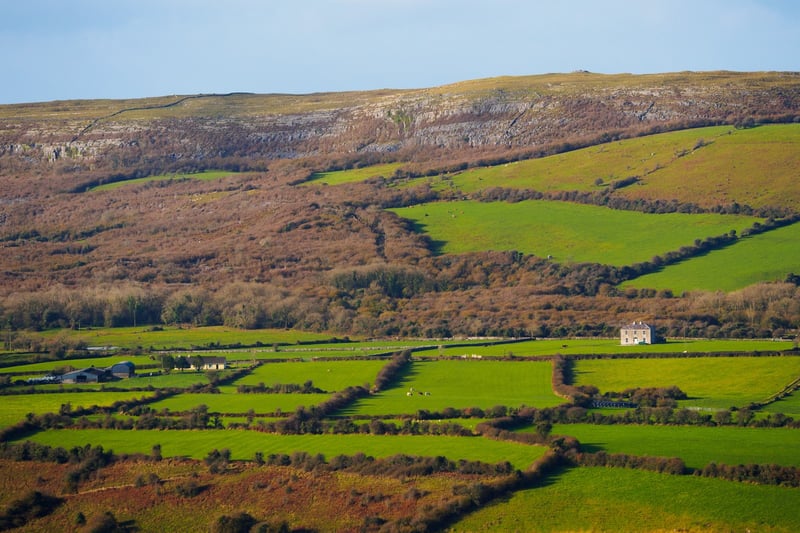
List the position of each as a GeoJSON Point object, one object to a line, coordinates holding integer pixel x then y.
{"type": "Point", "coordinates": [62, 49]}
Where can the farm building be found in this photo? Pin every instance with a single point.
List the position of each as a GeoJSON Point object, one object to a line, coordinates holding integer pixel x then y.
{"type": "Point", "coordinates": [87, 375]}
{"type": "Point", "coordinates": [637, 333]}
{"type": "Point", "coordinates": [211, 363]}
{"type": "Point", "coordinates": [123, 369]}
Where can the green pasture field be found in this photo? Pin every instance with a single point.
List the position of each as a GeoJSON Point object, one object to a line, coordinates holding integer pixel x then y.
{"type": "Point", "coordinates": [616, 499]}
{"type": "Point", "coordinates": [98, 362]}
{"type": "Point", "coordinates": [175, 379]}
{"type": "Point", "coordinates": [789, 406]}
{"type": "Point", "coordinates": [172, 337]}
{"type": "Point", "coordinates": [568, 232]}
{"type": "Point", "coordinates": [244, 444]}
{"type": "Point", "coordinates": [696, 445]}
{"type": "Point", "coordinates": [328, 376]}
{"type": "Point", "coordinates": [550, 347]}
{"type": "Point", "coordinates": [16, 407]}
{"type": "Point", "coordinates": [463, 384]}
{"type": "Point", "coordinates": [754, 166]}
{"type": "Point", "coordinates": [207, 175]}
{"type": "Point", "coordinates": [578, 170]}
{"type": "Point", "coordinates": [710, 382]}
{"type": "Point", "coordinates": [353, 175]}
{"type": "Point", "coordinates": [239, 403]}
{"type": "Point", "coordinates": [733, 267]}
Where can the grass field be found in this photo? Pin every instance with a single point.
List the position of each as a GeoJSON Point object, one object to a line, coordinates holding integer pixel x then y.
{"type": "Point", "coordinates": [354, 175]}
{"type": "Point", "coordinates": [328, 376]}
{"type": "Point", "coordinates": [789, 406]}
{"type": "Point", "coordinates": [16, 407]}
{"type": "Point", "coordinates": [175, 379]}
{"type": "Point", "coordinates": [463, 384]}
{"type": "Point", "coordinates": [696, 445]}
{"type": "Point", "coordinates": [99, 362]}
{"type": "Point", "coordinates": [239, 403]}
{"type": "Point", "coordinates": [579, 169]}
{"type": "Point", "coordinates": [207, 175]}
{"type": "Point", "coordinates": [549, 347]}
{"type": "Point", "coordinates": [615, 499]}
{"type": "Point", "coordinates": [244, 444]}
{"type": "Point", "coordinates": [171, 337]}
{"type": "Point", "coordinates": [568, 232]}
{"type": "Point", "coordinates": [713, 382]}
{"type": "Point", "coordinates": [755, 166]}
{"type": "Point", "coordinates": [733, 267]}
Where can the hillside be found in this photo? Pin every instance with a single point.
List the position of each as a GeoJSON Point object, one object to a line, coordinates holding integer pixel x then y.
{"type": "Point", "coordinates": [252, 244]}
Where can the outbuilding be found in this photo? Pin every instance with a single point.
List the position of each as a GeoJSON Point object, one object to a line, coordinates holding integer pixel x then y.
{"type": "Point", "coordinates": [87, 375]}
{"type": "Point", "coordinates": [123, 369]}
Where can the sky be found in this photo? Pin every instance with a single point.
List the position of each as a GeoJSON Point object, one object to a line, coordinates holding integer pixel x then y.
{"type": "Point", "coordinates": [71, 49]}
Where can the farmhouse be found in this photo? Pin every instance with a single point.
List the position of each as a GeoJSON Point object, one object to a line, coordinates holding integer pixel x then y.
{"type": "Point", "coordinates": [87, 375]}
{"type": "Point", "coordinates": [637, 333]}
{"type": "Point", "coordinates": [210, 363]}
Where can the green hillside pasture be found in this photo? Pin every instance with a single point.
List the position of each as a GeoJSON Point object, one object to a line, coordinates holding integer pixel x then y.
{"type": "Point", "coordinates": [696, 445]}
{"type": "Point", "coordinates": [580, 169]}
{"type": "Point", "coordinates": [171, 337]}
{"type": "Point", "coordinates": [239, 403]}
{"type": "Point", "coordinates": [789, 406]}
{"type": "Point", "coordinates": [463, 384]}
{"type": "Point", "coordinates": [616, 499]}
{"type": "Point", "coordinates": [208, 175]}
{"type": "Point", "coordinates": [568, 232]}
{"type": "Point", "coordinates": [16, 407]}
{"type": "Point", "coordinates": [326, 375]}
{"type": "Point", "coordinates": [244, 444]}
{"type": "Point", "coordinates": [550, 347]}
{"type": "Point", "coordinates": [755, 166]}
{"type": "Point", "coordinates": [98, 362]}
{"type": "Point", "coordinates": [733, 267]}
{"type": "Point", "coordinates": [353, 175]}
{"type": "Point", "coordinates": [710, 382]}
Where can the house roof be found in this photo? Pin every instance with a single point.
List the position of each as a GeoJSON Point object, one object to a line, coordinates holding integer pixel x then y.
{"type": "Point", "coordinates": [214, 360]}
{"type": "Point", "coordinates": [124, 363]}
{"type": "Point", "coordinates": [637, 325]}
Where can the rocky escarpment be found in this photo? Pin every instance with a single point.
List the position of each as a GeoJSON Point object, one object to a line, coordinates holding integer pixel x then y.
{"type": "Point", "coordinates": [506, 113]}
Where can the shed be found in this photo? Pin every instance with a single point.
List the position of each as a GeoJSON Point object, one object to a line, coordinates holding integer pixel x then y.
{"type": "Point", "coordinates": [87, 375]}
{"type": "Point", "coordinates": [123, 369]}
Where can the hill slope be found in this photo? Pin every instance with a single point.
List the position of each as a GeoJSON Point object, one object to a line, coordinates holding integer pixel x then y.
{"type": "Point", "coordinates": [248, 246]}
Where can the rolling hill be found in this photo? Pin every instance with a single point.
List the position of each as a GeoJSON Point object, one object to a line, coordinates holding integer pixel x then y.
{"type": "Point", "coordinates": [277, 210]}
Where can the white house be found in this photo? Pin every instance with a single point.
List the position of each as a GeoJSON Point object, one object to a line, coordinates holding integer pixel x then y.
{"type": "Point", "coordinates": [637, 333]}
{"type": "Point", "coordinates": [210, 363]}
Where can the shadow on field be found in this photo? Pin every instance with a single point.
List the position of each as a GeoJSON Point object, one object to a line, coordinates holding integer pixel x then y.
{"type": "Point", "coordinates": [592, 447]}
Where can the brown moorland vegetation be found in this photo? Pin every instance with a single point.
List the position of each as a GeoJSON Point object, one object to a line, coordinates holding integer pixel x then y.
{"type": "Point", "coordinates": [255, 250]}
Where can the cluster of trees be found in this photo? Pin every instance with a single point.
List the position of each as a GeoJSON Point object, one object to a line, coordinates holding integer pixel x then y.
{"type": "Point", "coordinates": [472, 295]}
{"type": "Point", "coordinates": [390, 371]}
{"type": "Point", "coordinates": [32, 505]}
{"type": "Point", "coordinates": [665, 465]}
{"type": "Point", "coordinates": [400, 465]}
{"type": "Point", "coordinates": [771, 474]}
{"type": "Point", "coordinates": [645, 396]}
